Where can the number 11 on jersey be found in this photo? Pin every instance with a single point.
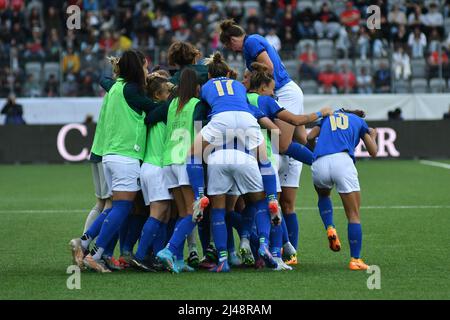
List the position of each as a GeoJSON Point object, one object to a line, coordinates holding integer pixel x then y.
{"type": "Point", "coordinates": [228, 85]}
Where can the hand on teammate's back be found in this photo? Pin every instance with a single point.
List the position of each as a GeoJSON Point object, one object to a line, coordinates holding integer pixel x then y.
{"type": "Point", "coordinates": [327, 111]}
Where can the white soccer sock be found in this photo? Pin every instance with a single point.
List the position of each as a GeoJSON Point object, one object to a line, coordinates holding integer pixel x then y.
{"type": "Point", "coordinates": [95, 212]}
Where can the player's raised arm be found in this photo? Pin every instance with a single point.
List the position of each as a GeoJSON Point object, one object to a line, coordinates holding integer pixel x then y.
{"type": "Point", "coordinates": [370, 142]}
{"type": "Point", "coordinates": [302, 119]}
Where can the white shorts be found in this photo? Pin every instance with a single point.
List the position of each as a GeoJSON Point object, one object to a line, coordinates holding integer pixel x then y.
{"type": "Point", "coordinates": [122, 173]}
{"type": "Point", "coordinates": [289, 171]}
{"type": "Point", "coordinates": [226, 126]}
{"type": "Point", "coordinates": [290, 97]}
{"type": "Point", "coordinates": [233, 172]}
{"type": "Point", "coordinates": [335, 169]}
{"type": "Point", "coordinates": [154, 183]}
{"type": "Point", "coordinates": [176, 176]}
{"type": "Point", "coordinates": [100, 186]}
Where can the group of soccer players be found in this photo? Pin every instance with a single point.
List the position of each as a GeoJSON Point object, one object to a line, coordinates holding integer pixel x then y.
{"type": "Point", "coordinates": [201, 150]}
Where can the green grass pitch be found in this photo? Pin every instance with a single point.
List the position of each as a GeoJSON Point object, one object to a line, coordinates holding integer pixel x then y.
{"type": "Point", "coordinates": [43, 206]}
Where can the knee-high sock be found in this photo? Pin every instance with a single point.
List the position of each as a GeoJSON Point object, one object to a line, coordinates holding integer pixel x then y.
{"type": "Point", "coordinates": [292, 227]}
{"type": "Point", "coordinates": [194, 168]}
{"type": "Point", "coordinates": [92, 216]}
{"type": "Point", "coordinates": [119, 213]}
{"type": "Point", "coordinates": [160, 241]}
{"type": "Point", "coordinates": [269, 180]}
{"type": "Point", "coordinates": [109, 250]}
{"type": "Point", "coordinates": [148, 235]}
{"type": "Point", "coordinates": [248, 220]}
{"type": "Point", "coordinates": [94, 229]}
{"type": "Point", "coordinates": [192, 241]}
{"type": "Point", "coordinates": [276, 239]}
{"type": "Point", "coordinates": [300, 153]}
{"type": "Point", "coordinates": [285, 234]}
{"type": "Point", "coordinates": [170, 227]}
{"type": "Point", "coordinates": [219, 231]}
{"type": "Point", "coordinates": [204, 232]}
{"type": "Point", "coordinates": [123, 232]}
{"type": "Point", "coordinates": [233, 220]}
{"type": "Point", "coordinates": [254, 243]}
{"type": "Point", "coordinates": [355, 239]}
{"type": "Point", "coordinates": [262, 221]}
{"type": "Point", "coordinates": [326, 211]}
{"type": "Point", "coordinates": [135, 225]}
{"type": "Point", "coordinates": [184, 227]}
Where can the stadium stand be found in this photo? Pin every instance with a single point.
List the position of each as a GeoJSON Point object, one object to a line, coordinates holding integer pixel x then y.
{"type": "Point", "coordinates": [39, 56]}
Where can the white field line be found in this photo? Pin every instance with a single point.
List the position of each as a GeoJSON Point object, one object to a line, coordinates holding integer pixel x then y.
{"type": "Point", "coordinates": [435, 164]}
{"type": "Point", "coordinates": [297, 208]}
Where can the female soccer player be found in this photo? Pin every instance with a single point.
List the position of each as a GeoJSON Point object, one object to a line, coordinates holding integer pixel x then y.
{"type": "Point", "coordinates": [185, 55]}
{"type": "Point", "coordinates": [256, 48]}
{"type": "Point", "coordinates": [334, 158]}
{"type": "Point", "coordinates": [123, 147]}
{"type": "Point", "coordinates": [154, 183]}
{"type": "Point", "coordinates": [180, 115]}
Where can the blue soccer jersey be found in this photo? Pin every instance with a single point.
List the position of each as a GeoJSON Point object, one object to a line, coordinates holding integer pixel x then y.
{"type": "Point", "coordinates": [340, 132]}
{"type": "Point", "coordinates": [224, 94]}
{"type": "Point", "coordinates": [254, 45]}
{"type": "Point", "coordinates": [269, 106]}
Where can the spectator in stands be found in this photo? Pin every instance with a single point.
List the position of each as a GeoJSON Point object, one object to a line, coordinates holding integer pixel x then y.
{"type": "Point", "coordinates": [214, 16]}
{"type": "Point", "coordinates": [396, 17]}
{"type": "Point", "coordinates": [400, 38]}
{"type": "Point", "coordinates": [382, 79]}
{"type": "Point", "coordinates": [273, 39]}
{"type": "Point", "coordinates": [434, 18]}
{"type": "Point", "coordinates": [401, 64]}
{"type": "Point", "coordinates": [34, 49]}
{"type": "Point", "coordinates": [13, 111]}
{"type": "Point", "coordinates": [326, 23]}
{"type": "Point", "coordinates": [378, 43]}
{"type": "Point", "coordinates": [345, 80]}
{"type": "Point", "coordinates": [415, 18]}
{"type": "Point", "coordinates": [51, 86]}
{"type": "Point", "coordinates": [52, 20]}
{"type": "Point", "coordinates": [53, 46]}
{"type": "Point", "coordinates": [69, 87]}
{"type": "Point", "coordinates": [351, 17]}
{"type": "Point", "coordinates": [363, 43]}
{"type": "Point", "coordinates": [305, 27]}
{"type": "Point", "coordinates": [364, 82]}
{"type": "Point", "coordinates": [438, 63]}
{"type": "Point", "coordinates": [86, 89]}
{"type": "Point", "coordinates": [327, 80]}
{"type": "Point", "coordinates": [434, 41]}
{"type": "Point", "coordinates": [417, 42]}
{"type": "Point", "coordinates": [343, 43]}
{"type": "Point", "coordinates": [308, 62]}
{"type": "Point", "coordinates": [32, 87]}
{"type": "Point", "coordinates": [70, 62]}
{"type": "Point", "coordinates": [161, 20]}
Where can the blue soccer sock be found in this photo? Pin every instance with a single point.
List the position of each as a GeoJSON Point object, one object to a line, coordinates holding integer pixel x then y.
{"type": "Point", "coordinates": [160, 241]}
{"type": "Point", "coordinates": [254, 243]}
{"type": "Point", "coordinates": [204, 232]}
{"type": "Point", "coordinates": [233, 220]}
{"type": "Point", "coordinates": [109, 250]}
{"type": "Point", "coordinates": [182, 230]}
{"type": "Point", "coordinates": [248, 220]}
{"type": "Point", "coordinates": [123, 232]}
{"type": "Point", "coordinates": [170, 227]}
{"type": "Point", "coordinates": [135, 225]}
{"type": "Point", "coordinates": [149, 232]}
{"type": "Point", "coordinates": [326, 211]}
{"type": "Point", "coordinates": [219, 230]}
{"type": "Point", "coordinates": [119, 213]}
{"type": "Point", "coordinates": [355, 239]}
{"type": "Point", "coordinates": [285, 234]}
{"type": "Point", "coordinates": [300, 153]}
{"type": "Point", "coordinates": [276, 240]}
{"type": "Point", "coordinates": [269, 180]}
{"type": "Point", "coordinates": [96, 226]}
{"type": "Point", "coordinates": [292, 227]}
{"type": "Point", "coordinates": [179, 254]}
{"type": "Point", "coordinates": [194, 168]}
{"type": "Point", "coordinates": [262, 221]}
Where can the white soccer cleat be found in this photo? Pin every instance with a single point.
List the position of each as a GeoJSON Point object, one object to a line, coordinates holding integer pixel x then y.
{"type": "Point", "coordinates": [281, 265]}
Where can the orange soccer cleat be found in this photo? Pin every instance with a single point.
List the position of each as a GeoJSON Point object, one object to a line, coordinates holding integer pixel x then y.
{"type": "Point", "coordinates": [333, 238]}
{"type": "Point", "coordinates": [357, 264]}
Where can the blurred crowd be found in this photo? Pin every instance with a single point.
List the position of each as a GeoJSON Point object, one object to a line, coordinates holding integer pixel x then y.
{"type": "Point", "coordinates": [40, 56]}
